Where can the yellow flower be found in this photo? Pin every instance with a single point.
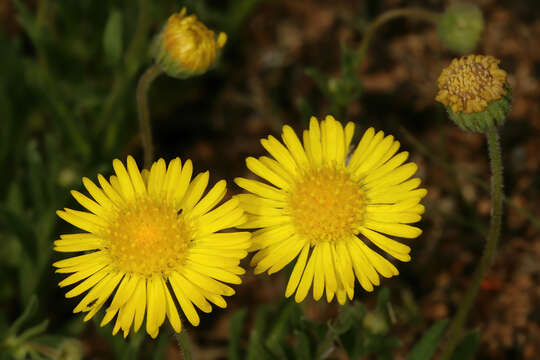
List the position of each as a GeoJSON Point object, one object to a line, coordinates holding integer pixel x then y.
{"type": "Point", "coordinates": [475, 92]}
{"type": "Point", "coordinates": [324, 205]}
{"type": "Point", "coordinates": [145, 234]}
{"type": "Point", "coordinates": [186, 47]}
{"type": "Point", "coordinates": [470, 83]}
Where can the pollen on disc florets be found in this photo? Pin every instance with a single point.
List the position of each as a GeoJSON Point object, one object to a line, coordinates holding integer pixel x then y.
{"type": "Point", "coordinates": [326, 204]}
{"type": "Point", "coordinates": [470, 83]}
{"type": "Point", "coordinates": [475, 92]}
{"type": "Point", "coordinates": [148, 237]}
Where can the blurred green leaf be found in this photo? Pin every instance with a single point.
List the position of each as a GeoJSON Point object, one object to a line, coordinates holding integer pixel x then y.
{"type": "Point", "coordinates": [382, 300]}
{"type": "Point", "coordinates": [28, 312]}
{"type": "Point", "coordinates": [34, 330]}
{"type": "Point", "coordinates": [425, 347]}
{"type": "Point", "coordinates": [112, 38]}
{"type": "Point", "coordinates": [20, 228]}
{"type": "Point", "coordinates": [27, 20]}
{"type": "Point", "coordinates": [36, 173]}
{"type": "Point", "coordinates": [467, 346]}
{"type": "Point", "coordinates": [303, 346]}
{"type": "Point", "coordinates": [326, 346]}
{"type": "Point", "coordinates": [256, 350]}
{"type": "Point", "coordinates": [235, 336]}
{"type": "Point", "coordinates": [281, 328]}
{"type": "Point", "coordinates": [320, 79]}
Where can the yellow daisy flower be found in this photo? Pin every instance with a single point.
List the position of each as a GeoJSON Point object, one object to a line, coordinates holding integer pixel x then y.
{"type": "Point", "coordinates": [324, 204]}
{"type": "Point", "coordinates": [145, 234]}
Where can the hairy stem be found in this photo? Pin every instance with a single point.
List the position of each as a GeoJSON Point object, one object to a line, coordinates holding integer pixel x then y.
{"type": "Point", "coordinates": [144, 114]}
{"type": "Point", "coordinates": [184, 343]}
{"type": "Point", "coordinates": [458, 322]}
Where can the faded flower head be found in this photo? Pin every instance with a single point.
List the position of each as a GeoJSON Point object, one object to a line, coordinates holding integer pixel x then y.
{"type": "Point", "coordinates": [475, 91]}
{"type": "Point", "coordinates": [186, 47]}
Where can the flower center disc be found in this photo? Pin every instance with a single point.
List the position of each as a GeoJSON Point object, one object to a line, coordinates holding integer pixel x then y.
{"type": "Point", "coordinates": [327, 205]}
{"type": "Point", "coordinates": [147, 238]}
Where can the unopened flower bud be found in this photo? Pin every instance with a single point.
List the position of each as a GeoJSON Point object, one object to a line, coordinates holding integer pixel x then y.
{"type": "Point", "coordinates": [460, 27]}
{"type": "Point", "coordinates": [186, 47]}
{"type": "Point", "coordinates": [475, 92]}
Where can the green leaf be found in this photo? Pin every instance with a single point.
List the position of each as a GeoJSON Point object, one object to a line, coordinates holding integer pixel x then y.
{"type": "Point", "coordinates": [425, 348]}
{"type": "Point", "coordinates": [23, 232]}
{"type": "Point", "coordinates": [326, 346]}
{"type": "Point", "coordinates": [112, 38]}
{"type": "Point", "coordinates": [320, 79]}
{"type": "Point", "coordinates": [382, 300]}
{"type": "Point", "coordinates": [36, 172]}
{"type": "Point", "coordinates": [303, 348]}
{"type": "Point", "coordinates": [467, 346]}
{"type": "Point", "coordinates": [28, 312]}
{"type": "Point", "coordinates": [281, 328]}
{"type": "Point", "coordinates": [237, 323]}
{"type": "Point", "coordinates": [34, 331]}
{"type": "Point", "coordinates": [256, 350]}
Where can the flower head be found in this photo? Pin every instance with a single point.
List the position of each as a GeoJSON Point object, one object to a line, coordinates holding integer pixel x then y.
{"type": "Point", "coordinates": [474, 85]}
{"type": "Point", "coordinates": [146, 234]}
{"type": "Point", "coordinates": [186, 47]}
{"type": "Point", "coordinates": [328, 209]}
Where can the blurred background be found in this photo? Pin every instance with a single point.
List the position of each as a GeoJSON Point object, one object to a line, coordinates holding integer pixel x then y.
{"type": "Point", "coordinates": [68, 72]}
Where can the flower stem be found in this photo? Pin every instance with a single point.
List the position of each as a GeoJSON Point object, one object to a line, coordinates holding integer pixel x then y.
{"type": "Point", "coordinates": [144, 115]}
{"type": "Point", "coordinates": [416, 13]}
{"type": "Point", "coordinates": [184, 343]}
{"type": "Point", "coordinates": [458, 323]}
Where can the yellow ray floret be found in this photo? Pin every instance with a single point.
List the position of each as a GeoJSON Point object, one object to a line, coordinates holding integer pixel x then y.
{"type": "Point", "coordinates": [154, 245]}
{"type": "Point", "coordinates": [333, 210]}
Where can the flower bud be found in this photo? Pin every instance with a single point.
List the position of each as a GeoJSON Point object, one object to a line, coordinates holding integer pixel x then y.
{"type": "Point", "coordinates": [70, 349]}
{"type": "Point", "coordinates": [460, 27]}
{"type": "Point", "coordinates": [186, 47]}
{"type": "Point", "coordinates": [475, 92]}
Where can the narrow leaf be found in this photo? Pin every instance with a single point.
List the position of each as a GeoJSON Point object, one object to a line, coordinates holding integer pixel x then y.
{"type": "Point", "coordinates": [237, 323]}
{"type": "Point", "coordinates": [425, 348]}
{"type": "Point", "coordinates": [112, 38]}
{"type": "Point", "coordinates": [467, 346]}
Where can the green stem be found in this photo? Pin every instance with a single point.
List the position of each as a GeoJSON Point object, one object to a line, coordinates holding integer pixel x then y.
{"type": "Point", "coordinates": [458, 323]}
{"type": "Point", "coordinates": [445, 165]}
{"type": "Point", "coordinates": [144, 115]}
{"type": "Point", "coordinates": [416, 13]}
{"type": "Point", "coordinates": [184, 343]}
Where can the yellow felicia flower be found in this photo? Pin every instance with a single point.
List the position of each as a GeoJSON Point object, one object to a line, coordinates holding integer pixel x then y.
{"type": "Point", "coordinates": [324, 206]}
{"type": "Point", "coordinates": [146, 234]}
{"type": "Point", "coordinates": [186, 47]}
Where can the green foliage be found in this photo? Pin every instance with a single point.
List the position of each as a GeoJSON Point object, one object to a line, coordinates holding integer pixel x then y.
{"type": "Point", "coordinates": [467, 346]}
{"type": "Point", "coordinates": [426, 346]}
{"type": "Point", "coordinates": [342, 90]}
{"type": "Point", "coordinates": [22, 339]}
{"type": "Point", "coordinates": [112, 38]}
{"type": "Point", "coordinates": [286, 333]}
